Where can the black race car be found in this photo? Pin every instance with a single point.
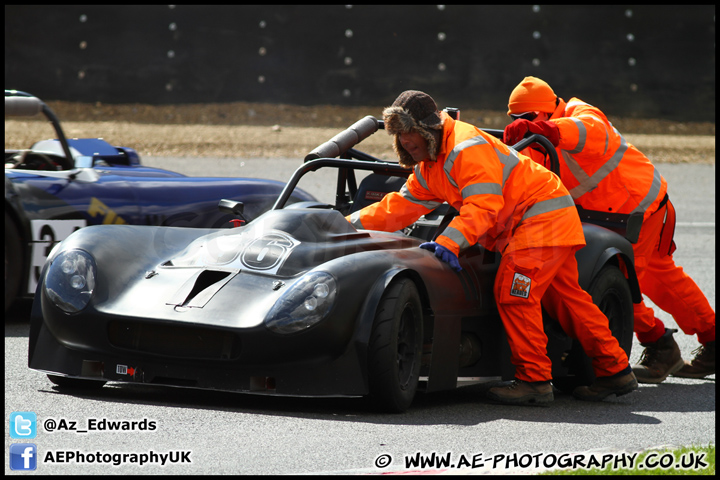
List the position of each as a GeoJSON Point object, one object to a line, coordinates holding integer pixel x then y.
{"type": "Point", "coordinates": [298, 302]}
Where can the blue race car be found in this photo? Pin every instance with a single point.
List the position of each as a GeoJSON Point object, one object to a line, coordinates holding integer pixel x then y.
{"type": "Point", "coordinates": [58, 186]}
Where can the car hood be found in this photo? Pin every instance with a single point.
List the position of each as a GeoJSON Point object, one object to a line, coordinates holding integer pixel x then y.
{"type": "Point", "coordinates": [232, 277]}
{"type": "Point", "coordinates": [284, 243]}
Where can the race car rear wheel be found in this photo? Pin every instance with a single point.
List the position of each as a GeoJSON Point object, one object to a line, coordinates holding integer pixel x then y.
{"type": "Point", "coordinates": [395, 347]}
{"type": "Point", "coordinates": [611, 293]}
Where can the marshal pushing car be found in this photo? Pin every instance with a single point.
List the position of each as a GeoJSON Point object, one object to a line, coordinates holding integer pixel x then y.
{"type": "Point", "coordinates": [57, 186]}
{"type": "Point", "coordinates": [298, 302]}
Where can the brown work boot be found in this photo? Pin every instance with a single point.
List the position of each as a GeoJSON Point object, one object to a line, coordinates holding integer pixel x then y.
{"type": "Point", "coordinates": [702, 365]}
{"type": "Point", "coordinates": [659, 359]}
{"type": "Point", "coordinates": [519, 392]}
{"type": "Point", "coordinates": [605, 386]}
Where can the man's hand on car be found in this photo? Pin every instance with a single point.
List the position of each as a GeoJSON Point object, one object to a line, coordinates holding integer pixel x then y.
{"type": "Point", "coordinates": [443, 254]}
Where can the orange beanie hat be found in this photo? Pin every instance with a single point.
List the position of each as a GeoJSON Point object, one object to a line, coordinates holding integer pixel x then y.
{"type": "Point", "coordinates": [532, 95]}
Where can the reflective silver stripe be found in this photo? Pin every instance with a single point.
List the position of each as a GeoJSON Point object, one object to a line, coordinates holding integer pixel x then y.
{"type": "Point", "coordinates": [576, 171]}
{"type": "Point", "coordinates": [607, 137]}
{"type": "Point", "coordinates": [355, 220]}
{"type": "Point", "coordinates": [457, 237]}
{"type": "Point", "coordinates": [607, 141]}
{"type": "Point", "coordinates": [588, 184]}
{"type": "Point", "coordinates": [652, 194]}
{"type": "Point", "coordinates": [481, 189]}
{"type": "Point", "coordinates": [430, 205]}
{"type": "Point", "coordinates": [509, 163]}
{"type": "Point", "coordinates": [548, 206]}
{"type": "Point", "coordinates": [450, 161]}
{"type": "Point", "coordinates": [419, 177]}
{"type": "Point", "coordinates": [582, 136]}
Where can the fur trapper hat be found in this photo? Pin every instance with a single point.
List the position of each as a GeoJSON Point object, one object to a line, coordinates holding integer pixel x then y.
{"type": "Point", "coordinates": [414, 111]}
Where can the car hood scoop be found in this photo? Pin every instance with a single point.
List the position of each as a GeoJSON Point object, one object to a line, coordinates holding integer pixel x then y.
{"type": "Point", "coordinates": [198, 290]}
{"type": "Point", "coordinates": [280, 242]}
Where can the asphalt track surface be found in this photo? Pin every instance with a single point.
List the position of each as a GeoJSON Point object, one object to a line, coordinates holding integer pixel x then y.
{"type": "Point", "coordinates": [228, 433]}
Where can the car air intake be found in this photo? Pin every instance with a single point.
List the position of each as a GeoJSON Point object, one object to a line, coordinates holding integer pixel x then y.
{"type": "Point", "coordinates": [174, 341]}
{"type": "Point", "coordinates": [198, 291]}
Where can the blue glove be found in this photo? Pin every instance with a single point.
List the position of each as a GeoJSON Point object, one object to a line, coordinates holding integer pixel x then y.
{"type": "Point", "coordinates": [443, 254]}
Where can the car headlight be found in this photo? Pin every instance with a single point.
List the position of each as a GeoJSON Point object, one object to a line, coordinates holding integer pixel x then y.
{"type": "Point", "coordinates": [304, 304]}
{"type": "Point", "coordinates": [70, 280]}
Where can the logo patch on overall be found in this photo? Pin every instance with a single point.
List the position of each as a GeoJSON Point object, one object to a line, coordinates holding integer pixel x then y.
{"type": "Point", "coordinates": [373, 195]}
{"type": "Point", "coordinates": [520, 286]}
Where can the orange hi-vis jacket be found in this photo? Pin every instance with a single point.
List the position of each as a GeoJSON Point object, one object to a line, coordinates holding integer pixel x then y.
{"type": "Point", "coordinates": [495, 189]}
{"type": "Point", "coordinates": [602, 171]}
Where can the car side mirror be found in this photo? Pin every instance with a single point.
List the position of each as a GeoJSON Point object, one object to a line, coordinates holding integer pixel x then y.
{"type": "Point", "coordinates": [233, 207]}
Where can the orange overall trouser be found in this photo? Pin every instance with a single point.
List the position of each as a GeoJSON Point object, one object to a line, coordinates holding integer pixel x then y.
{"type": "Point", "coordinates": [547, 277]}
{"type": "Point", "coordinates": [669, 287]}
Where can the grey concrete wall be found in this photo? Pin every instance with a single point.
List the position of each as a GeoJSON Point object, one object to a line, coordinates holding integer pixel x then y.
{"type": "Point", "coordinates": [638, 61]}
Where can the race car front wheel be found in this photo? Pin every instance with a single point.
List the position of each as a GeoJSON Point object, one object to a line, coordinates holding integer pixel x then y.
{"type": "Point", "coordinates": [395, 347]}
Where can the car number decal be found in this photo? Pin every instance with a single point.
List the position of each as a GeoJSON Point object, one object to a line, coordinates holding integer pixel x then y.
{"type": "Point", "coordinates": [268, 252]}
{"type": "Point", "coordinates": [45, 235]}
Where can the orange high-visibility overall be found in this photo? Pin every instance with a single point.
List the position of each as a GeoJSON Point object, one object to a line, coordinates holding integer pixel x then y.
{"type": "Point", "coordinates": [508, 203]}
{"type": "Point", "coordinates": [604, 172]}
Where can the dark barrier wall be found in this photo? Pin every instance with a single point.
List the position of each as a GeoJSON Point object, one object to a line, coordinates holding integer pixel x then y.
{"type": "Point", "coordinates": [637, 61]}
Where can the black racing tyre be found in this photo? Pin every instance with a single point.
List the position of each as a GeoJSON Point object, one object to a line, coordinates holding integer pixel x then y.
{"type": "Point", "coordinates": [13, 261]}
{"type": "Point", "coordinates": [75, 383]}
{"type": "Point", "coordinates": [395, 348]}
{"type": "Point", "coordinates": [611, 293]}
